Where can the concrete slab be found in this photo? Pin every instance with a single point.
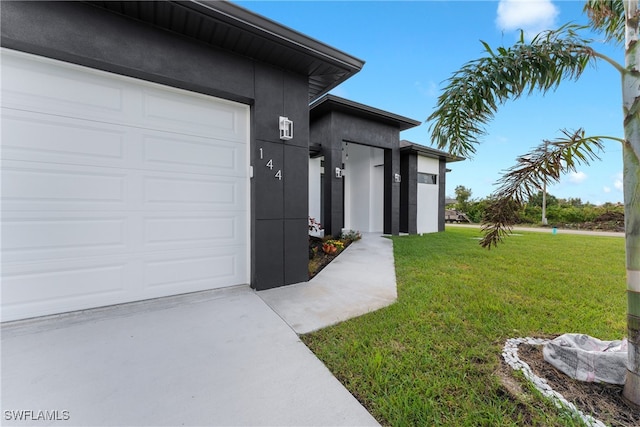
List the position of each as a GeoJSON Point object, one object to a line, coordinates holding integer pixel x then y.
{"type": "Point", "coordinates": [214, 358]}
{"type": "Point", "coordinates": [360, 280]}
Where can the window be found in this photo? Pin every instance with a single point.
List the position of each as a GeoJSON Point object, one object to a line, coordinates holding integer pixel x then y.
{"type": "Point", "coordinates": [427, 178]}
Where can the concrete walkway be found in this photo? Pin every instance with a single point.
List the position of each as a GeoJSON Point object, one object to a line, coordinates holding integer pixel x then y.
{"type": "Point", "coordinates": [360, 280]}
{"type": "Point", "coordinates": [215, 358]}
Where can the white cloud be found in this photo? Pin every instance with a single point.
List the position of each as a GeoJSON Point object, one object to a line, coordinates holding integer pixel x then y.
{"type": "Point", "coordinates": [577, 177]}
{"type": "Point", "coordinates": [532, 16]}
{"type": "Point", "coordinates": [617, 183]}
{"type": "Point", "coordinates": [606, 189]}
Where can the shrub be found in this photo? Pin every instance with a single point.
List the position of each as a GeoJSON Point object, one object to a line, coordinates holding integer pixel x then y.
{"type": "Point", "coordinates": [351, 235]}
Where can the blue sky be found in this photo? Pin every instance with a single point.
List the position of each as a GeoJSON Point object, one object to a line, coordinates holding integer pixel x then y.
{"type": "Point", "coordinates": [412, 47]}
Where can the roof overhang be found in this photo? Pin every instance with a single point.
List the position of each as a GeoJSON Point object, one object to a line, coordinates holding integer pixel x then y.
{"type": "Point", "coordinates": [233, 28]}
{"type": "Point", "coordinates": [329, 103]}
{"type": "Point", "coordinates": [411, 147]}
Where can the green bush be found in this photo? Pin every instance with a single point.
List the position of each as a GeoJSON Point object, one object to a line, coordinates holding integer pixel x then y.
{"type": "Point", "coordinates": [559, 211]}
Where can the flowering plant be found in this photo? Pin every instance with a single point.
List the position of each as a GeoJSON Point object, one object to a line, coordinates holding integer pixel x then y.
{"type": "Point", "coordinates": [314, 225]}
{"type": "Point", "coordinates": [332, 246]}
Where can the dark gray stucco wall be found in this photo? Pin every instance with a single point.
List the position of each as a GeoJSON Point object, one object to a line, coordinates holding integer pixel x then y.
{"type": "Point", "coordinates": [441, 193]}
{"type": "Point", "coordinates": [322, 131]}
{"type": "Point", "coordinates": [330, 130]}
{"type": "Point", "coordinates": [409, 193]}
{"type": "Point", "coordinates": [89, 36]}
{"type": "Point", "coordinates": [281, 205]}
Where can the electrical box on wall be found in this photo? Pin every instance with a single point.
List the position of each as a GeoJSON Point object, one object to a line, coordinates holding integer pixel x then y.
{"type": "Point", "coordinates": [286, 128]}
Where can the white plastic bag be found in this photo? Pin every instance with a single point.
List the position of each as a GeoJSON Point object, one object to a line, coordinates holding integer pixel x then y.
{"type": "Point", "coordinates": [588, 359]}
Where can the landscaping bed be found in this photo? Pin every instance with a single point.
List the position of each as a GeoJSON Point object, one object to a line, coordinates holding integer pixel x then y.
{"type": "Point", "coordinates": [323, 250]}
{"type": "Point", "coordinates": [600, 400]}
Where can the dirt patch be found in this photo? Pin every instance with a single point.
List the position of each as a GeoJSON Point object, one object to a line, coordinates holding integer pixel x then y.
{"type": "Point", "coordinates": [602, 401]}
{"type": "Point", "coordinates": [609, 221]}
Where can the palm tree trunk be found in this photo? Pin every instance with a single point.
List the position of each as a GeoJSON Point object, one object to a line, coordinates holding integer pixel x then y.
{"type": "Point", "coordinates": [632, 229]}
{"type": "Point", "coordinates": [631, 162]}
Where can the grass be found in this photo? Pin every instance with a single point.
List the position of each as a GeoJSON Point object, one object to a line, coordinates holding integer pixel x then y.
{"type": "Point", "coordinates": [431, 358]}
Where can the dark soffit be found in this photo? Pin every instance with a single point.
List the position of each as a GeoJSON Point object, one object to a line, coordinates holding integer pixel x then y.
{"type": "Point", "coordinates": [330, 103]}
{"type": "Point", "coordinates": [233, 28]}
{"type": "Point", "coordinates": [412, 147]}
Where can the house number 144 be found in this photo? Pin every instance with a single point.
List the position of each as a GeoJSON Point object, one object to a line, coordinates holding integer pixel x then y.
{"type": "Point", "coordinates": [270, 166]}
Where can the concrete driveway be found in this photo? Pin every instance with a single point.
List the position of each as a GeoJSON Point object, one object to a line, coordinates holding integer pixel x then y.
{"type": "Point", "coordinates": [221, 357]}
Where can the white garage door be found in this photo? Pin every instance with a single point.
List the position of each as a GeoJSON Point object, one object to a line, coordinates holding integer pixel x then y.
{"type": "Point", "coordinates": [116, 189]}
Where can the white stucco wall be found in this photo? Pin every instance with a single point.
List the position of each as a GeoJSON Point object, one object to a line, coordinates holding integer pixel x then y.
{"type": "Point", "coordinates": [315, 188]}
{"type": "Point", "coordinates": [427, 206]}
{"type": "Point", "coordinates": [364, 192]}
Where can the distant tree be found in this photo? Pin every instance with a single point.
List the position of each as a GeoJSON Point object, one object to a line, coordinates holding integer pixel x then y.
{"type": "Point", "coordinates": [573, 201]}
{"type": "Point", "coordinates": [536, 199]}
{"type": "Point", "coordinates": [473, 94]}
{"type": "Point", "coordinates": [463, 195]}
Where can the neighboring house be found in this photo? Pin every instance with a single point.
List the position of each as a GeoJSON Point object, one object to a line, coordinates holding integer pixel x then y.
{"type": "Point", "coordinates": [354, 169]}
{"type": "Point", "coordinates": [147, 152]}
{"type": "Point", "coordinates": [423, 200]}
{"type": "Point", "coordinates": [362, 177]}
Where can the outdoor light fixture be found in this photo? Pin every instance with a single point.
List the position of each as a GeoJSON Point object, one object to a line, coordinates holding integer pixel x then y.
{"type": "Point", "coordinates": [397, 178]}
{"type": "Point", "coordinates": [286, 128]}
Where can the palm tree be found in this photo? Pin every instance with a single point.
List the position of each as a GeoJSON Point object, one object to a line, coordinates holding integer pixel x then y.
{"type": "Point", "coordinates": [472, 97]}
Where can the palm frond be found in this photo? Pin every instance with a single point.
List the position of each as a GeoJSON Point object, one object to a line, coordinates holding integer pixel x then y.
{"type": "Point", "coordinates": [607, 17]}
{"type": "Point", "coordinates": [473, 93]}
{"type": "Point", "coordinates": [546, 163]}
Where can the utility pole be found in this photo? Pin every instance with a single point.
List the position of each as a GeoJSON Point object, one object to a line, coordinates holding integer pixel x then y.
{"type": "Point", "coordinates": [544, 203]}
{"type": "Point", "coordinates": [544, 193]}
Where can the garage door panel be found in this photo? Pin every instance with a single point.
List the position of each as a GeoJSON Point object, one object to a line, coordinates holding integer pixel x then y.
{"type": "Point", "coordinates": [44, 138]}
{"type": "Point", "coordinates": [166, 110]}
{"type": "Point", "coordinates": [184, 153]}
{"type": "Point", "coordinates": [48, 186]}
{"type": "Point", "coordinates": [180, 231]}
{"type": "Point", "coordinates": [36, 84]}
{"type": "Point", "coordinates": [206, 269]}
{"type": "Point", "coordinates": [38, 137]}
{"type": "Point", "coordinates": [29, 237]}
{"type": "Point", "coordinates": [193, 192]}
{"type": "Point", "coordinates": [62, 89]}
{"type": "Point", "coordinates": [33, 289]}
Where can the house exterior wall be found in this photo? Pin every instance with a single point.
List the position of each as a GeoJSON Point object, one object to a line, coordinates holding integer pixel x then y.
{"type": "Point", "coordinates": [428, 196]}
{"type": "Point", "coordinates": [85, 35]}
{"type": "Point", "coordinates": [364, 189]}
{"type": "Point", "coordinates": [315, 188]}
{"type": "Point", "coordinates": [331, 130]}
{"type": "Point", "coordinates": [422, 206]}
{"type": "Point", "coordinates": [409, 193]}
{"type": "Point", "coordinates": [442, 195]}
{"type": "Point", "coordinates": [322, 132]}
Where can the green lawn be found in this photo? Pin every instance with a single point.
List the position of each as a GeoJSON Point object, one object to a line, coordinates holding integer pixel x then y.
{"type": "Point", "coordinates": [430, 358]}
